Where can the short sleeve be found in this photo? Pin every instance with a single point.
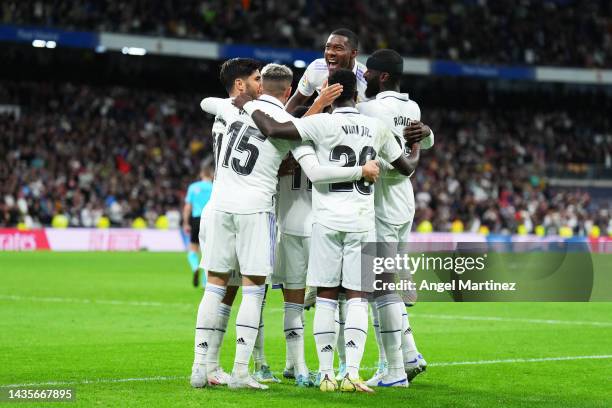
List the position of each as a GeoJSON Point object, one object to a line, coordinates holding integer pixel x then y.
{"type": "Point", "coordinates": [189, 196]}
{"type": "Point", "coordinates": [306, 87]}
{"type": "Point", "coordinates": [390, 150]}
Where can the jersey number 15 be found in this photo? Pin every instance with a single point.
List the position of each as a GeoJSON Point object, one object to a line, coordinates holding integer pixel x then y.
{"type": "Point", "coordinates": [239, 135]}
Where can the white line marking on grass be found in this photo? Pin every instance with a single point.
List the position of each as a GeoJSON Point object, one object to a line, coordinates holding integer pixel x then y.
{"type": "Point", "coordinates": [97, 381]}
{"type": "Point", "coordinates": [511, 319]}
{"type": "Point", "coordinates": [278, 310]}
{"type": "Point", "coordinates": [91, 301]}
{"type": "Point", "coordinates": [442, 364]}
{"type": "Point", "coordinates": [520, 360]}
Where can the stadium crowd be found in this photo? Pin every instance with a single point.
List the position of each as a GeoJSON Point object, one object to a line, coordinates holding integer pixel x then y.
{"type": "Point", "coordinates": [549, 32]}
{"type": "Point", "coordinates": [88, 154]}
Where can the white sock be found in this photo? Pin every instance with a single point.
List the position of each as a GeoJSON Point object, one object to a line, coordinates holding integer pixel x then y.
{"type": "Point", "coordinates": [376, 324]}
{"type": "Point", "coordinates": [259, 357]}
{"type": "Point", "coordinates": [340, 324]}
{"type": "Point", "coordinates": [294, 337]}
{"type": "Point", "coordinates": [355, 334]}
{"type": "Point", "coordinates": [207, 320]}
{"type": "Point", "coordinates": [214, 348]}
{"type": "Point", "coordinates": [390, 309]}
{"type": "Point", "coordinates": [409, 349]}
{"type": "Point", "coordinates": [324, 334]}
{"type": "Point", "coordinates": [247, 326]}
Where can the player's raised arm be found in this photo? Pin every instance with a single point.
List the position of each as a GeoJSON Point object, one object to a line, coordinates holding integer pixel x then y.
{"type": "Point", "coordinates": [212, 105]}
{"type": "Point", "coordinates": [327, 96]}
{"type": "Point", "coordinates": [298, 99]}
{"type": "Point", "coordinates": [266, 124]}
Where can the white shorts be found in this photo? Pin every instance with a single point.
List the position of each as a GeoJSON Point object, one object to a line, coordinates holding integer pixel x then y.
{"type": "Point", "coordinates": [397, 237]}
{"type": "Point", "coordinates": [235, 278]}
{"type": "Point", "coordinates": [386, 232]}
{"type": "Point", "coordinates": [335, 258]}
{"type": "Point", "coordinates": [246, 240]}
{"type": "Point", "coordinates": [291, 261]}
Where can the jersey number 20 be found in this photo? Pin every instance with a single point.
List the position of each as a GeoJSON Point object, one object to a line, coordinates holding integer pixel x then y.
{"type": "Point", "coordinates": [367, 153]}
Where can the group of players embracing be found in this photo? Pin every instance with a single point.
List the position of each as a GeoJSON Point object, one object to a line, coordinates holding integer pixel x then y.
{"type": "Point", "coordinates": [336, 175]}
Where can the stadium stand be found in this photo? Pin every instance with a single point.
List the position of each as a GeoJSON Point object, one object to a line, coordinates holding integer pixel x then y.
{"type": "Point", "coordinates": [550, 32]}
{"type": "Point", "coordinates": [86, 152]}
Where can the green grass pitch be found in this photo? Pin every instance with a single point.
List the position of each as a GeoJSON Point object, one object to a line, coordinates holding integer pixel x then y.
{"type": "Point", "coordinates": [118, 327]}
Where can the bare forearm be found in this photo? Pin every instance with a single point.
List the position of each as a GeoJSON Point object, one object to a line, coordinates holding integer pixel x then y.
{"type": "Point", "coordinates": [406, 165]}
{"type": "Point", "coordinates": [271, 128]}
{"type": "Point", "coordinates": [296, 100]}
{"type": "Point", "coordinates": [186, 213]}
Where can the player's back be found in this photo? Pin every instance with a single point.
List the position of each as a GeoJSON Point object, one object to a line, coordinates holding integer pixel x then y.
{"type": "Point", "coordinates": [345, 138]}
{"type": "Point", "coordinates": [247, 162]}
{"type": "Point", "coordinates": [295, 204]}
{"type": "Point", "coordinates": [394, 197]}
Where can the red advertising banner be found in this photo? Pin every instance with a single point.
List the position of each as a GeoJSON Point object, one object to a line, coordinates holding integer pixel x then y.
{"type": "Point", "coordinates": [18, 240]}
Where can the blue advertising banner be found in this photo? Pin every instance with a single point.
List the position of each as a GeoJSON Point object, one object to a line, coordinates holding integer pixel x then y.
{"type": "Point", "coordinates": [486, 71]}
{"type": "Point", "coordinates": [286, 55]}
{"type": "Point", "coordinates": [62, 38]}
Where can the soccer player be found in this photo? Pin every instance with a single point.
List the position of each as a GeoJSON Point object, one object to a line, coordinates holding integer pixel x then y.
{"type": "Point", "coordinates": [295, 226]}
{"type": "Point", "coordinates": [242, 225]}
{"type": "Point", "coordinates": [340, 52]}
{"type": "Point", "coordinates": [394, 208]}
{"type": "Point", "coordinates": [198, 194]}
{"type": "Point", "coordinates": [343, 218]}
{"type": "Point", "coordinates": [239, 75]}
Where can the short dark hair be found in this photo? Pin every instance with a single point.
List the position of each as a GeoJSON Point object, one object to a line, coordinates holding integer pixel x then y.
{"type": "Point", "coordinates": [389, 61]}
{"type": "Point", "coordinates": [235, 68]}
{"type": "Point", "coordinates": [353, 40]}
{"type": "Point", "coordinates": [347, 79]}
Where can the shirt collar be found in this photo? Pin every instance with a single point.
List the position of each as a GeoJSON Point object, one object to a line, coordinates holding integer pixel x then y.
{"type": "Point", "coordinates": [271, 99]}
{"type": "Point", "coordinates": [345, 109]}
{"type": "Point", "coordinates": [397, 95]}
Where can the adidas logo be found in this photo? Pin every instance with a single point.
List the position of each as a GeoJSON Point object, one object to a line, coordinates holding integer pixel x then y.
{"type": "Point", "coordinates": [408, 330]}
{"type": "Point", "coordinates": [241, 342]}
{"type": "Point", "coordinates": [327, 349]}
{"type": "Point", "coordinates": [291, 335]}
{"type": "Point", "coordinates": [351, 344]}
{"type": "Point", "coordinates": [203, 346]}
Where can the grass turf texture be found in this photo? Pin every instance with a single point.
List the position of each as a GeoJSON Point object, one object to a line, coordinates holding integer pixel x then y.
{"type": "Point", "coordinates": [59, 322]}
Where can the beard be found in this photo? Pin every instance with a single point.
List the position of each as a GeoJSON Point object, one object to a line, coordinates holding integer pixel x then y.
{"type": "Point", "coordinates": [372, 88]}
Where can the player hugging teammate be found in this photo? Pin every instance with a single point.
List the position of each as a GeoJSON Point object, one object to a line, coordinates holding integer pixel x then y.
{"type": "Point", "coordinates": [329, 203]}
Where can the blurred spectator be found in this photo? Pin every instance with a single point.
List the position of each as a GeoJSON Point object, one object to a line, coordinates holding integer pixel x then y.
{"type": "Point", "coordinates": [531, 32]}
{"type": "Point", "coordinates": [112, 156]}
{"type": "Point", "coordinates": [97, 156]}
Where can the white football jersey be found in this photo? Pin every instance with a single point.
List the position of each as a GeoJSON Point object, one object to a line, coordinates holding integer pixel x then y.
{"type": "Point", "coordinates": [316, 74]}
{"type": "Point", "coordinates": [346, 138]}
{"type": "Point", "coordinates": [247, 161]}
{"type": "Point", "coordinates": [295, 199]}
{"type": "Point", "coordinates": [393, 195]}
